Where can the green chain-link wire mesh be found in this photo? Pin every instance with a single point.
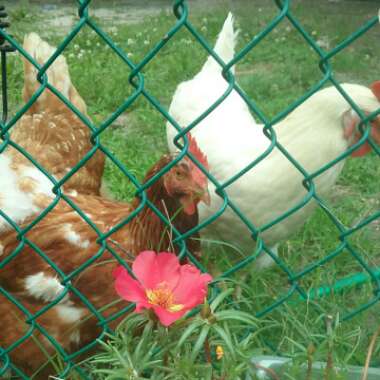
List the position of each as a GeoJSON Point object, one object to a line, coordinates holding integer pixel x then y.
{"type": "Point", "coordinates": [136, 79]}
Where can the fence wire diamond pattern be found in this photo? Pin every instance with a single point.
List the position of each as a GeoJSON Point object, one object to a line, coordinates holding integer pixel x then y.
{"type": "Point", "coordinates": [136, 79]}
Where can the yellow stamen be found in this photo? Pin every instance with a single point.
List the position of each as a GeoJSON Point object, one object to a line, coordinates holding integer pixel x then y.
{"type": "Point", "coordinates": [219, 352]}
{"type": "Point", "coordinates": [163, 296]}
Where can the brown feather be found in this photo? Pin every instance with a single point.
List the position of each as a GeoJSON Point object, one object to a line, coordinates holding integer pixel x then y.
{"type": "Point", "coordinates": [67, 240]}
{"type": "Point", "coordinates": [58, 140]}
{"type": "Point", "coordinates": [50, 131]}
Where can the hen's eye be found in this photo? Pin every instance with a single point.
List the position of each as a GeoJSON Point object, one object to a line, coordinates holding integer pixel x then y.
{"type": "Point", "coordinates": [179, 174]}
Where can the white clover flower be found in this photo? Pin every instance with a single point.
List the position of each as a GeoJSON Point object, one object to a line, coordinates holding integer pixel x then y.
{"type": "Point", "coordinates": [80, 55]}
{"type": "Point", "coordinates": [275, 87]}
{"type": "Point", "coordinates": [260, 9]}
{"type": "Point", "coordinates": [71, 55]}
{"type": "Point", "coordinates": [314, 33]}
{"type": "Point", "coordinates": [82, 51]}
{"type": "Point", "coordinates": [139, 34]}
{"type": "Point", "coordinates": [98, 44]}
{"type": "Point", "coordinates": [88, 43]}
{"type": "Point", "coordinates": [154, 29]}
{"type": "Point", "coordinates": [76, 46]}
{"type": "Point", "coordinates": [288, 28]}
{"type": "Point", "coordinates": [130, 41]}
{"type": "Point", "coordinates": [204, 20]}
{"type": "Point", "coordinates": [323, 43]}
{"type": "Point", "coordinates": [130, 55]}
{"type": "Point", "coordinates": [204, 28]}
{"type": "Point", "coordinates": [146, 42]}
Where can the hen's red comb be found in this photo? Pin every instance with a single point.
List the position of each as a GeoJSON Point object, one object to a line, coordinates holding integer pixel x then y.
{"type": "Point", "coordinates": [196, 151]}
{"type": "Point", "coordinates": [375, 87]}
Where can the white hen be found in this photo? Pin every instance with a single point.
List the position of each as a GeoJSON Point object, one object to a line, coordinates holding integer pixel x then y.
{"type": "Point", "coordinates": [315, 133]}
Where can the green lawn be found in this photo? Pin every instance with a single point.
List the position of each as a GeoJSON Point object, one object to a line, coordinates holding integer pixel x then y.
{"type": "Point", "coordinates": [276, 73]}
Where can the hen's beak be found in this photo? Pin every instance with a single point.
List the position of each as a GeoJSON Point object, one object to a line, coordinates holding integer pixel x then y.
{"type": "Point", "coordinates": [190, 201]}
{"type": "Point", "coordinates": [204, 196]}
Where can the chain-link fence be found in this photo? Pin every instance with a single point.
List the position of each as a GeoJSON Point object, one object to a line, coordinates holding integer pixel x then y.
{"type": "Point", "coordinates": [33, 315]}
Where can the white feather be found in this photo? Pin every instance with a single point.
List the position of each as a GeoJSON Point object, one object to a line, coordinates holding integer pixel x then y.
{"type": "Point", "coordinates": [43, 287]}
{"type": "Point", "coordinates": [231, 139]}
{"type": "Point", "coordinates": [73, 237]}
{"type": "Point", "coordinates": [15, 203]}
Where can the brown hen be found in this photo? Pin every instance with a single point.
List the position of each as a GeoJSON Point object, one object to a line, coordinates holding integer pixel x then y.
{"type": "Point", "coordinates": [68, 241]}
{"type": "Point", "coordinates": [53, 135]}
{"type": "Point", "coordinates": [49, 131]}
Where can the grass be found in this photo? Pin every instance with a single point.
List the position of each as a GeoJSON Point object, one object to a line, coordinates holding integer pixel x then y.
{"type": "Point", "coordinates": [276, 73]}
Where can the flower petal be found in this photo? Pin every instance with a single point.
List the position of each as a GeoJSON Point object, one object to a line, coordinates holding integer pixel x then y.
{"type": "Point", "coordinates": [192, 287]}
{"type": "Point", "coordinates": [166, 317]}
{"type": "Point", "coordinates": [127, 287]}
{"type": "Point", "coordinates": [145, 269]}
{"type": "Point", "coordinates": [151, 269]}
{"type": "Point", "coordinates": [140, 306]}
{"type": "Point", "coordinates": [169, 269]}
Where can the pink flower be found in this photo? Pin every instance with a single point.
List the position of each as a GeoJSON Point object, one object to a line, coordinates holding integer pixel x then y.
{"type": "Point", "coordinates": [162, 284]}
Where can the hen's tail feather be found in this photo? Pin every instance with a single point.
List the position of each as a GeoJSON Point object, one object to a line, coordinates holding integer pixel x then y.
{"type": "Point", "coordinates": [224, 46]}
{"type": "Point", "coordinates": [58, 76]}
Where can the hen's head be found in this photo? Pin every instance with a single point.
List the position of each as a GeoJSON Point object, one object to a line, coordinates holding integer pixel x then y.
{"type": "Point", "coordinates": [186, 181]}
{"type": "Point", "coordinates": [351, 122]}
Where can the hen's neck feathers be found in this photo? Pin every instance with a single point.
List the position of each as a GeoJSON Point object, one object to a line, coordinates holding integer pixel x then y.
{"type": "Point", "coordinates": [147, 230]}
